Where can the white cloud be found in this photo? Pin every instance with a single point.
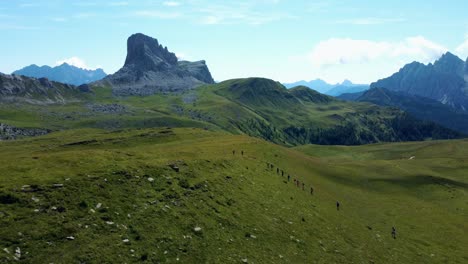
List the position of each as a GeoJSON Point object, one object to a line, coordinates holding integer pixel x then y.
{"type": "Point", "coordinates": [240, 13]}
{"type": "Point", "coordinates": [462, 49]}
{"type": "Point", "coordinates": [58, 19]}
{"type": "Point", "coordinates": [182, 56]}
{"type": "Point", "coordinates": [6, 26]}
{"type": "Point", "coordinates": [29, 5]}
{"type": "Point", "coordinates": [370, 21]}
{"type": "Point", "coordinates": [84, 4]}
{"type": "Point", "coordinates": [171, 3]}
{"type": "Point", "coordinates": [157, 14]}
{"type": "Point", "coordinates": [85, 15]}
{"type": "Point", "coordinates": [119, 3]}
{"type": "Point", "coordinates": [74, 61]}
{"type": "Point", "coordinates": [338, 51]}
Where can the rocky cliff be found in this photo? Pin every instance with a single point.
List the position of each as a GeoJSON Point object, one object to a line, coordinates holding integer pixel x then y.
{"type": "Point", "coordinates": [151, 68]}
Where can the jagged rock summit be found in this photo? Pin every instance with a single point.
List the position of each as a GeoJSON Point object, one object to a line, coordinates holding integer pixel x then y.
{"type": "Point", "coordinates": [443, 81]}
{"type": "Point", "coordinates": [151, 68]}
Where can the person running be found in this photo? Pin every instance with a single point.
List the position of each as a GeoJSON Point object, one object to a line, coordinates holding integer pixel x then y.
{"type": "Point", "coordinates": [393, 232]}
{"type": "Point", "coordinates": [337, 206]}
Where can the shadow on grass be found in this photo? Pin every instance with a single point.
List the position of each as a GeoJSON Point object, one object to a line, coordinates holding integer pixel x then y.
{"type": "Point", "coordinates": [419, 180]}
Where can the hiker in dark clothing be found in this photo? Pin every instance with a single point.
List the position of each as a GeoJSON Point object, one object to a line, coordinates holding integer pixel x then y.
{"type": "Point", "coordinates": [393, 232]}
{"type": "Point", "coordinates": [233, 152]}
{"type": "Point", "coordinates": [242, 152]}
{"type": "Point", "coordinates": [277, 170]}
{"type": "Point", "coordinates": [282, 173]}
{"type": "Point", "coordinates": [289, 177]}
{"type": "Point", "coordinates": [312, 190]}
{"type": "Point", "coordinates": [337, 206]}
{"type": "Point", "coordinates": [303, 185]}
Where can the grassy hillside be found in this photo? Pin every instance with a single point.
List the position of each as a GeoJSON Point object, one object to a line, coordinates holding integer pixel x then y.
{"type": "Point", "coordinates": [94, 196]}
{"type": "Point", "coordinates": [254, 106]}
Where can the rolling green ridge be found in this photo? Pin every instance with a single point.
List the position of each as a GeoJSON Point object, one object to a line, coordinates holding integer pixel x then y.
{"type": "Point", "coordinates": [94, 196]}
{"type": "Point", "coordinates": [253, 106]}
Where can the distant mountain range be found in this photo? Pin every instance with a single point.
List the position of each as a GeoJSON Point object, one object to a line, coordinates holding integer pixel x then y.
{"type": "Point", "coordinates": [445, 81]}
{"type": "Point", "coordinates": [435, 92]}
{"type": "Point", "coordinates": [420, 107]}
{"type": "Point", "coordinates": [254, 106]}
{"type": "Point", "coordinates": [330, 89]}
{"type": "Point", "coordinates": [64, 73]}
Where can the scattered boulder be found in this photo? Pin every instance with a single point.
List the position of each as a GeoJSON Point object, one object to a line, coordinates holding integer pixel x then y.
{"type": "Point", "coordinates": [174, 167]}
{"type": "Point", "coordinates": [18, 252]}
{"type": "Point", "coordinates": [108, 108]}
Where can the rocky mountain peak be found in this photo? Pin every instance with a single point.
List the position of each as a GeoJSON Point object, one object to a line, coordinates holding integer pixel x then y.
{"type": "Point", "coordinates": [146, 54]}
{"type": "Point", "coordinates": [347, 82]}
{"type": "Point", "coordinates": [151, 68]}
{"type": "Point", "coordinates": [449, 63]}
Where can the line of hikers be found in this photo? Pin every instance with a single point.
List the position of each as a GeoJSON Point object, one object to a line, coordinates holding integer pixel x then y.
{"type": "Point", "coordinates": [297, 183]}
{"type": "Point", "coordinates": [234, 152]}
{"type": "Point", "coordinates": [302, 184]}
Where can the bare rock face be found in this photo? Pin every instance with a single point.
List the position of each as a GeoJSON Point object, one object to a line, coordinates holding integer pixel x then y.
{"type": "Point", "coordinates": [151, 68]}
{"type": "Point", "coordinates": [17, 88]}
{"type": "Point", "coordinates": [8, 132]}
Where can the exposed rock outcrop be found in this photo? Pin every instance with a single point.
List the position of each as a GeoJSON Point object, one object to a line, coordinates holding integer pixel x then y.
{"type": "Point", "coordinates": [17, 88]}
{"type": "Point", "coordinates": [151, 68]}
{"type": "Point", "coordinates": [8, 132]}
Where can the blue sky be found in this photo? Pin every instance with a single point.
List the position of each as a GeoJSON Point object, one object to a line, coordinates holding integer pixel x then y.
{"type": "Point", "coordinates": [278, 39]}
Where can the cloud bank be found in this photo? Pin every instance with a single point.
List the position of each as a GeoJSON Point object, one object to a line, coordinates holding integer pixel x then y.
{"type": "Point", "coordinates": [338, 51]}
